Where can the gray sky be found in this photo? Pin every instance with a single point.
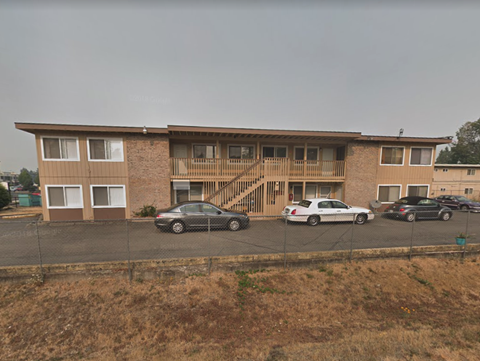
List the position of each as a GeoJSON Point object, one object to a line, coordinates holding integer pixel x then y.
{"type": "Point", "coordinates": [367, 68]}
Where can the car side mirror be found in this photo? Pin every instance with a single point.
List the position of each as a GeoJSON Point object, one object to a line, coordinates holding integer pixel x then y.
{"type": "Point", "coordinates": [219, 212]}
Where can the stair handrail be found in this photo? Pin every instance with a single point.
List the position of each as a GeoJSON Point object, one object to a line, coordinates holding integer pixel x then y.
{"type": "Point", "coordinates": [234, 179]}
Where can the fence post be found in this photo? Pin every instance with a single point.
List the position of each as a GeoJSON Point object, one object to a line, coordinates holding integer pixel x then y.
{"type": "Point", "coordinates": [128, 252]}
{"type": "Point", "coordinates": [411, 237]}
{"type": "Point", "coordinates": [351, 239]}
{"type": "Point", "coordinates": [466, 235]}
{"type": "Point", "coordinates": [285, 246]}
{"type": "Point", "coordinates": [209, 259]}
{"type": "Point", "coordinates": [39, 249]}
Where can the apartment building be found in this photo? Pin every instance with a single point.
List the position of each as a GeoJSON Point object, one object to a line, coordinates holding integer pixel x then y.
{"type": "Point", "coordinates": [108, 172]}
{"type": "Point", "coordinates": [456, 179]}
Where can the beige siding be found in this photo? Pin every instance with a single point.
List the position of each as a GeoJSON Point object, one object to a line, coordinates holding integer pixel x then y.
{"type": "Point", "coordinates": [455, 181]}
{"type": "Point", "coordinates": [82, 172]}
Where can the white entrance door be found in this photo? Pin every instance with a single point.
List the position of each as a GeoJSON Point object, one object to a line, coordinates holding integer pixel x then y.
{"type": "Point", "coordinates": [180, 151]}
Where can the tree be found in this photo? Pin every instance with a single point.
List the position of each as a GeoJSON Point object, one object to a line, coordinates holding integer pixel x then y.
{"type": "Point", "coordinates": [4, 197]}
{"type": "Point", "coordinates": [465, 149]}
{"type": "Point", "coordinates": [25, 180]}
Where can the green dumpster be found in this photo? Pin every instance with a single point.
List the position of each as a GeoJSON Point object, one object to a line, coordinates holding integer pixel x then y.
{"type": "Point", "coordinates": [29, 200]}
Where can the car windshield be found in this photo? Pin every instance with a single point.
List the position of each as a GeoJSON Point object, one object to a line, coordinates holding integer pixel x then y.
{"type": "Point", "coordinates": [463, 199]}
{"type": "Point", "coordinates": [305, 203]}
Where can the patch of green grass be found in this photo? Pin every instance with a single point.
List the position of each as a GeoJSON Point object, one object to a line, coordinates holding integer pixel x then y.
{"type": "Point", "coordinates": [247, 280]}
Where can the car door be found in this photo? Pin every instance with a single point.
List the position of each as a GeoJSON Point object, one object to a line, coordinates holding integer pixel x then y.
{"type": "Point", "coordinates": [193, 216]}
{"type": "Point", "coordinates": [325, 211]}
{"type": "Point", "coordinates": [450, 201]}
{"type": "Point", "coordinates": [342, 212]}
{"type": "Point", "coordinates": [212, 213]}
{"type": "Point", "coordinates": [427, 208]}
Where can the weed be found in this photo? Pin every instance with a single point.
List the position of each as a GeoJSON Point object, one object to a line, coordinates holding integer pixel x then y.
{"type": "Point", "coordinates": [148, 210]}
{"type": "Point", "coordinates": [245, 281]}
{"type": "Point", "coordinates": [309, 275]}
{"type": "Point", "coordinates": [139, 280]}
{"type": "Point", "coordinates": [330, 272]}
{"type": "Point", "coordinates": [322, 268]}
{"type": "Point", "coordinates": [422, 281]}
{"type": "Point", "coordinates": [197, 274]}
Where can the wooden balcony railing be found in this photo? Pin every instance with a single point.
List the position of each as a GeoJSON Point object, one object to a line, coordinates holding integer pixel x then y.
{"type": "Point", "coordinates": [222, 169]}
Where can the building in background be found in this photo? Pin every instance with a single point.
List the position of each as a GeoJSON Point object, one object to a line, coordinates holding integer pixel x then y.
{"type": "Point", "coordinates": [104, 172]}
{"type": "Point", "coordinates": [456, 179]}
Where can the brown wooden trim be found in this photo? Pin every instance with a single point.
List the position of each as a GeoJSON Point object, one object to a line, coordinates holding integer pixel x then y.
{"type": "Point", "coordinates": [66, 214]}
{"type": "Point", "coordinates": [396, 140]}
{"type": "Point", "coordinates": [35, 127]}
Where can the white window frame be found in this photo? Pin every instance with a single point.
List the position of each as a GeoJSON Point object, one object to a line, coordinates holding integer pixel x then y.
{"type": "Point", "coordinates": [468, 191]}
{"type": "Point", "coordinates": [108, 194]}
{"type": "Point", "coordinates": [60, 160]}
{"type": "Point", "coordinates": [47, 186]}
{"type": "Point", "coordinates": [241, 145]}
{"type": "Point", "coordinates": [421, 165]}
{"type": "Point", "coordinates": [104, 160]}
{"type": "Point", "coordinates": [389, 185]}
{"type": "Point", "coordinates": [419, 185]}
{"type": "Point", "coordinates": [471, 171]}
{"type": "Point", "coordinates": [275, 146]}
{"type": "Point", "coordinates": [392, 165]}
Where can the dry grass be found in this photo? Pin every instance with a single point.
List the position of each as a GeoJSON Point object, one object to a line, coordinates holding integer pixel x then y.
{"type": "Point", "coordinates": [428, 309]}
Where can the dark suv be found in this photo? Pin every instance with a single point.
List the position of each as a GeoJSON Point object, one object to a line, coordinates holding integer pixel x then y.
{"type": "Point", "coordinates": [459, 202]}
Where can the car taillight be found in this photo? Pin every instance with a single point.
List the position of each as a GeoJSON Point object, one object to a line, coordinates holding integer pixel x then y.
{"type": "Point", "coordinates": [401, 209]}
{"type": "Point", "coordinates": [159, 216]}
{"type": "Point", "coordinates": [294, 212]}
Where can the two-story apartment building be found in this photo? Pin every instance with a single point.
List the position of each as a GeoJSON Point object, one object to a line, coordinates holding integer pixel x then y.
{"type": "Point", "coordinates": [456, 179]}
{"type": "Point", "coordinates": [105, 172]}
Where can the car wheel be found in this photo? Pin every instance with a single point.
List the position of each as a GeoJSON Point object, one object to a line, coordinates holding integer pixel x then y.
{"type": "Point", "coordinates": [177, 227]}
{"type": "Point", "coordinates": [445, 216]}
{"type": "Point", "coordinates": [410, 217]}
{"type": "Point", "coordinates": [464, 208]}
{"type": "Point", "coordinates": [313, 220]}
{"type": "Point", "coordinates": [361, 219]}
{"type": "Point", "coordinates": [234, 225]}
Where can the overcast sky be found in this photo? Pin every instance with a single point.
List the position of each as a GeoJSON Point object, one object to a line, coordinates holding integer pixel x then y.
{"type": "Point", "coordinates": [367, 68]}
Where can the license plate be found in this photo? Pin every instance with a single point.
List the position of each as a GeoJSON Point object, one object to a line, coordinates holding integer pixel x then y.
{"type": "Point", "coordinates": [390, 210]}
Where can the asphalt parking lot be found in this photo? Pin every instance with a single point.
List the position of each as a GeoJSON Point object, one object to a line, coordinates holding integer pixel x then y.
{"type": "Point", "coordinates": [23, 241]}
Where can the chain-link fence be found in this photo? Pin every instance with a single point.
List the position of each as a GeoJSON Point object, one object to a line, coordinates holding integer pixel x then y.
{"type": "Point", "coordinates": [40, 243]}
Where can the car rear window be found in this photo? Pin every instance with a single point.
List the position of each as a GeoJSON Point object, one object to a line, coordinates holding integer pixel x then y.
{"type": "Point", "coordinates": [305, 203]}
{"type": "Point", "coordinates": [402, 201]}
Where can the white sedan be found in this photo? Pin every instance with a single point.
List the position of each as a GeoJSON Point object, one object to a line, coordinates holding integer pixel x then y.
{"type": "Point", "coordinates": [316, 210]}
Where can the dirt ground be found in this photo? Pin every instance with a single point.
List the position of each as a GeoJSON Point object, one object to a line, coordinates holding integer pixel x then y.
{"type": "Point", "coordinates": [427, 309]}
{"type": "Point", "coordinates": [18, 212]}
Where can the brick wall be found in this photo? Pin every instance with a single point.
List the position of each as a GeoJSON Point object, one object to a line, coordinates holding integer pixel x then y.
{"type": "Point", "coordinates": [361, 175]}
{"type": "Point", "coordinates": [148, 171]}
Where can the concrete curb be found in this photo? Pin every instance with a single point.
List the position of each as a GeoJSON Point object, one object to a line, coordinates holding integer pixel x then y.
{"type": "Point", "coordinates": [14, 216]}
{"type": "Point", "coordinates": [150, 269]}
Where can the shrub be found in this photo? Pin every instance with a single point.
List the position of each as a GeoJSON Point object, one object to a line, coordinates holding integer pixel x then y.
{"type": "Point", "coordinates": [4, 197]}
{"type": "Point", "coordinates": [148, 210]}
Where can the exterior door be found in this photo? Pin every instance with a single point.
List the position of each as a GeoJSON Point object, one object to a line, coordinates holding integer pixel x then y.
{"type": "Point", "coordinates": [327, 158]}
{"type": "Point", "coordinates": [180, 151]}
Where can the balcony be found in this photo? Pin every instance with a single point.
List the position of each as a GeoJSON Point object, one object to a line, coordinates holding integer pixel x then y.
{"type": "Point", "coordinates": [215, 169]}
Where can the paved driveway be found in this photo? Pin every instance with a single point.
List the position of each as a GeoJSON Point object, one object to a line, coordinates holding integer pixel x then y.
{"type": "Point", "coordinates": [139, 239]}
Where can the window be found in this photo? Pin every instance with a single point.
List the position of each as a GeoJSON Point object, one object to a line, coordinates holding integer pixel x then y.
{"type": "Point", "coordinates": [60, 149]}
{"type": "Point", "coordinates": [421, 156]}
{"type": "Point", "coordinates": [69, 196]}
{"type": "Point", "coordinates": [468, 190]}
{"type": "Point", "coordinates": [193, 193]}
{"type": "Point", "coordinates": [325, 204]}
{"type": "Point", "coordinates": [241, 151]}
{"type": "Point", "coordinates": [312, 153]}
{"type": "Point", "coordinates": [274, 152]}
{"type": "Point", "coordinates": [325, 191]}
{"type": "Point", "coordinates": [190, 208]}
{"type": "Point", "coordinates": [470, 171]}
{"type": "Point", "coordinates": [420, 190]}
{"type": "Point", "coordinates": [427, 202]}
{"type": "Point", "coordinates": [388, 193]}
{"type": "Point", "coordinates": [337, 204]}
{"type": "Point", "coordinates": [443, 189]}
{"type": "Point", "coordinates": [108, 196]}
{"type": "Point", "coordinates": [207, 208]}
{"type": "Point", "coordinates": [204, 151]}
{"type": "Point", "coordinates": [105, 149]}
{"type": "Point", "coordinates": [445, 170]}
{"type": "Point", "coordinates": [392, 156]}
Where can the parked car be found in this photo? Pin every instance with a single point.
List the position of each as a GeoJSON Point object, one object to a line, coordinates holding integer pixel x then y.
{"type": "Point", "coordinates": [459, 202]}
{"type": "Point", "coordinates": [316, 210]}
{"type": "Point", "coordinates": [16, 188]}
{"type": "Point", "coordinates": [411, 208]}
{"type": "Point", "coordinates": [195, 215]}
